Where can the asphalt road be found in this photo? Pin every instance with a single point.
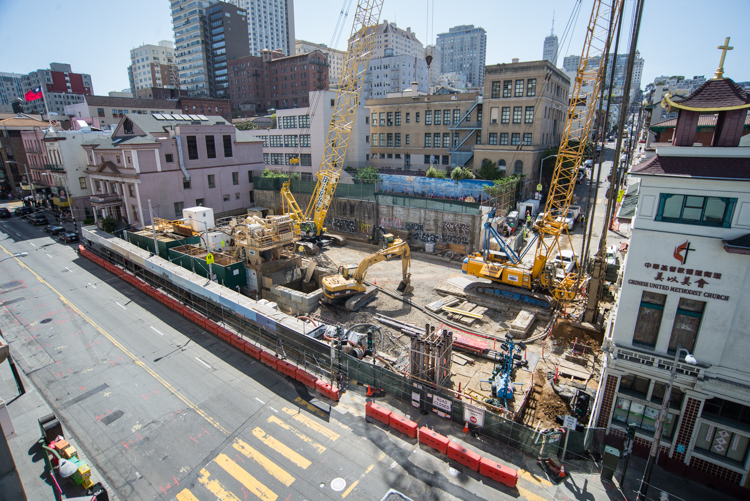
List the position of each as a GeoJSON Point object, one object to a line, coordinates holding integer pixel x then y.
{"type": "Point", "coordinates": [166, 411]}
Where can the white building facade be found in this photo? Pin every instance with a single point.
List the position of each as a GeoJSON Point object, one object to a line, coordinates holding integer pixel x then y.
{"type": "Point", "coordinates": [394, 74]}
{"type": "Point", "coordinates": [464, 50]}
{"type": "Point", "coordinates": [153, 66]}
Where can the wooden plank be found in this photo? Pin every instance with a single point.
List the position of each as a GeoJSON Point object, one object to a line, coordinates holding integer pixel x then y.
{"type": "Point", "coordinates": [461, 312]}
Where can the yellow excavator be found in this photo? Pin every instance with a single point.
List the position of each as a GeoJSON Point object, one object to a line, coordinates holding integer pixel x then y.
{"type": "Point", "coordinates": [348, 284]}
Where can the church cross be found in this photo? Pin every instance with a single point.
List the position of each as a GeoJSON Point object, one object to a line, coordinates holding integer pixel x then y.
{"type": "Point", "coordinates": [724, 48]}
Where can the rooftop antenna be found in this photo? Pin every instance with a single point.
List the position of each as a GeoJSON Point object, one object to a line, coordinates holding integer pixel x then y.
{"type": "Point", "coordinates": [552, 32]}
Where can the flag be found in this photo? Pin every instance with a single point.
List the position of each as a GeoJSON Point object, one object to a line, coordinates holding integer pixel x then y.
{"type": "Point", "coordinates": [34, 94]}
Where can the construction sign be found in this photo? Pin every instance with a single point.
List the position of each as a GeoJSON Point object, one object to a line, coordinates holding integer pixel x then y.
{"type": "Point", "coordinates": [474, 415]}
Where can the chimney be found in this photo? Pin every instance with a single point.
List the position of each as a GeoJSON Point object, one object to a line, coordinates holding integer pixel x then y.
{"type": "Point", "coordinates": [515, 60]}
{"type": "Point", "coordinates": [414, 88]}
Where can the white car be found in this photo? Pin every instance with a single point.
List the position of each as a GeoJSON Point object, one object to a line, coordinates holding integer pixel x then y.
{"type": "Point", "coordinates": [611, 255]}
{"type": "Point", "coordinates": [564, 263]}
{"type": "Point", "coordinates": [570, 220]}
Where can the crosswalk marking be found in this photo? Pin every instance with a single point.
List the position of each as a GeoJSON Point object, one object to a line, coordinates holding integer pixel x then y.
{"type": "Point", "coordinates": [272, 468]}
{"type": "Point", "coordinates": [281, 449]}
{"type": "Point", "coordinates": [215, 487]}
{"type": "Point", "coordinates": [186, 495]}
{"type": "Point", "coordinates": [250, 482]}
{"type": "Point", "coordinates": [332, 435]}
{"type": "Point", "coordinates": [317, 446]}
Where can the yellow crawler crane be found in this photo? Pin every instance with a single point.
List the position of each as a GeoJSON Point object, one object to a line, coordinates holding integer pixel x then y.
{"type": "Point", "coordinates": [309, 224]}
{"type": "Point", "coordinates": [588, 81]}
{"type": "Point", "coordinates": [349, 285]}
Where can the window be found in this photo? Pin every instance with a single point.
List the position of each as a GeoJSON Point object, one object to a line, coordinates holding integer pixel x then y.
{"type": "Point", "coordinates": [117, 158]}
{"type": "Point", "coordinates": [493, 138]}
{"type": "Point", "coordinates": [199, 202]}
{"type": "Point", "coordinates": [446, 160]}
{"type": "Point", "coordinates": [192, 147]}
{"type": "Point", "coordinates": [227, 146]}
{"type": "Point", "coordinates": [82, 182]}
{"type": "Point", "coordinates": [178, 209]}
{"type": "Point", "coordinates": [527, 138]}
{"type": "Point", "coordinates": [675, 399]}
{"type": "Point", "coordinates": [249, 176]}
{"type": "Point", "coordinates": [185, 184]}
{"type": "Point", "coordinates": [706, 211]}
{"type": "Point", "coordinates": [305, 159]}
{"type": "Point", "coordinates": [493, 115]}
{"type": "Point", "coordinates": [456, 117]}
{"type": "Point", "coordinates": [630, 412]}
{"type": "Point", "coordinates": [304, 140]}
{"type": "Point", "coordinates": [722, 442]}
{"type": "Point", "coordinates": [416, 117]}
{"type": "Point", "coordinates": [277, 158]}
{"type": "Point", "coordinates": [518, 167]}
{"type": "Point", "coordinates": [382, 119]}
{"type": "Point", "coordinates": [438, 117]}
{"type": "Point", "coordinates": [427, 117]}
{"type": "Point", "coordinates": [501, 165]}
{"type": "Point", "coordinates": [134, 209]}
{"type": "Point", "coordinates": [390, 140]}
{"type": "Point", "coordinates": [211, 183]}
{"type": "Point", "coordinates": [367, 139]}
{"type": "Point", "coordinates": [634, 385]}
{"type": "Point", "coordinates": [266, 158]}
{"type": "Point", "coordinates": [531, 87]}
{"type": "Point", "coordinates": [446, 117]}
{"type": "Point", "coordinates": [397, 143]}
{"type": "Point", "coordinates": [649, 318]}
{"type": "Point", "coordinates": [169, 158]}
{"type": "Point", "coordinates": [507, 84]}
{"type": "Point", "coordinates": [367, 120]}
{"type": "Point", "coordinates": [428, 140]}
{"type": "Point", "coordinates": [289, 122]}
{"type": "Point", "coordinates": [428, 159]}
{"type": "Point", "coordinates": [276, 141]}
{"type": "Point", "coordinates": [687, 321]}
{"type": "Point", "coordinates": [446, 140]}
{"type": "Point", "coordinates": [517, 114]}
{"type": "Point", "coordinates": [478, 136]}
{"type": "Point", "coordinates": [397, 118]}
{"type": "Point", "coordinates": [504, 139]}
{"type": "Point", "coordinates": [529, 116]}
{"type": "Point", "coordinates": [407, 117]}
{"type": "Point", "coordinates": [455, 139]}
{"type": "Point", "coordinates": [515, 138]}
{"type": "Point", "coordinates": [100, 112]}
{"type": "Point", "coordinates": [519, 89]}
{"type": "Point", "coordinates": [374, 119]}
{"type": "Point", "coordinates": [131, 190]}
{"type": "Point", "coordinates": [496, 90]}
{"type": "Point", "coordinates": [382, 139]}
{"type": "Point", "coordinates": [389, 119]}
{"type": "Point", "coordinates": [210, 147]}
{"type": "Point", "coordinates": [726, 411]}
{"type": "Point", "coordinates": [505, 115]}
{"type": "Point", "coordinates": [406, 139]}
{"type": "Point", "coordinates": [290, 141]}
{"type": "Point", "coordinates": [99, 186]}
{"type": "Point", "coordinates": [436, 140]}
{"type": "Point", "coordinates": [304, 121]}
{"type": "Point", "coordinates": [235, 178]}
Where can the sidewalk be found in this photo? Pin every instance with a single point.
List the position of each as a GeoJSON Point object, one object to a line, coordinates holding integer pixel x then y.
{"type": "Point", "coordinates": [534, 484]}
{"type": "Point", "coordinates": [27, 453]}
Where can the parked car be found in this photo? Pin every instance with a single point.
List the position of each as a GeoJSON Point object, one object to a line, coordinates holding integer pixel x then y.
{"type": "Point", "coordinates": [564, 263]}
{"type": "Point", "coordinates": [589, 163]}
{"type": "Point", "coordinates": [53, 229]}
{"type": "Point", "coordinates": [37, 219]}
{"type": "Point", "coordinates": [612, 255]}
{"type": "Point", "coordinates": [569, 219]}
{"type": "Point", "coordinates": [67, 236]}
{"type": "Point", "coordinates": [22, 211]}
{"type": "Point", "coordinates": [4, 212]}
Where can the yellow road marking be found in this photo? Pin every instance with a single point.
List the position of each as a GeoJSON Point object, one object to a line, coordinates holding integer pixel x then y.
{"type": "Point", "coordinates": [317, 446]}
{"type": "Point", "coordinates": [272, 468]}
{"type": "Point", "coordinates": [531, 478]}
{"type": "Point", "coordinates": [332, 435]}
{"type": "Point", "coordinates": [250, 482]}
{"type": "Point", "coordinates": [127, 352]}
{"type": "Point", "coordinates": [354, 484]}
{"type": "Point", "coordinates": [281, 449]}
{"type": "Point", "coordinates": [382, 455]}
{"type": "Point", "coordinates": [215, 487]}
{"type": "Point", "coordinates": [528, 495]}
{"type": "Point", "coordinates": [186, 495]}
{"type": "Point", "coordinates": [350, 489]}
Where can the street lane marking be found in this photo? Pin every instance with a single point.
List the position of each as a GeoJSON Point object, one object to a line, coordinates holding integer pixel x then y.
{"type": "Point", "coordinates": [332, 435]}
{"type": "Point", "coordinates": [281, 449]}
{"type": "Point", "coordinates": [136, 360]}
{"type": "Point", "coordinates": [32, 243]}
{"type": "Point", "coordinates": [304, 403]}
{"type": "Point", "coordinates": [273, 409]}
{"type": "Point", "coordinates": [259, 400]}
{"type": "Point", "coordinates": [201, 361]}
{"type": "Point", "coordinates": [272, 468]}
{"type": "Point", "coordinates": [273, 419]}
{"type": "Point", "coordinates": [186, 495]}
{"type": "Point", "coordinates": [157, 331]}
{"type": "Point", "coordinates": [250, 482]}
{"type": "Point", "coordinates": [94, 286]}
{"type": "Point", "coordinates": [48, 255]}
{"type": "Point", "coordinates": [354, 484]}
{"type": "Point", "coordinates": [69, 269]}
{"type": "Point", "coordinates": [215, 487]}
{"type": "Point", "coordinates": [121, 306]}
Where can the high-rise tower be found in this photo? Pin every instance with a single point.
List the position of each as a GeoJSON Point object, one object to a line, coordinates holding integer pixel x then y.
{"type": "Point", "coordinates": [550, 45]}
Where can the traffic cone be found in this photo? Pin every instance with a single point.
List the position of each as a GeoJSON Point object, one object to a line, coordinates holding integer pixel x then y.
{"type": "Point", "coordinates": [369, 390]}
{"type": "Point", "coordinates": [562, 471]}
{"type": "Point", "coordinates": [376, 281]}
{"type": "Point", "coordinates": [466, 427]}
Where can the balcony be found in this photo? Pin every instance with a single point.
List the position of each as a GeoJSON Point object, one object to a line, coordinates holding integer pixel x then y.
{"type": "Point", "coordinates": [106, 200]}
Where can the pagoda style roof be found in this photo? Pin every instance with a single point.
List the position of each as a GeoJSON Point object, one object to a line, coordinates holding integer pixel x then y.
{"type": "Point", "coordinates": [695, 167]}
{"type": "Point", "coordinates": [718, 94]}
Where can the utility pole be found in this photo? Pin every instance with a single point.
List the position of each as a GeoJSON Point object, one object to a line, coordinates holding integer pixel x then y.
{"type": "Point", "coordinates": [153, 230]}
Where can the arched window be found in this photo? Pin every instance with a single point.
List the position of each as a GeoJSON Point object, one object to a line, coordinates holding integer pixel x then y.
{"type": "Point", "coordinates": [518, 167]}
{"type": "Point", "coordinates": [501, 165]}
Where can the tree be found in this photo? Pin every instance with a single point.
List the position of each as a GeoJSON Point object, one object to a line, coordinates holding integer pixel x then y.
{"type": "Point", "coordinates": [246, 125]}
{"type": "Point", "coordinates": [436, 173]}
{"type": "Point", "coordinates": [368, 175]}
{"type": "Point", "coordinates": [268, 173]}
{"type": "Point", "coordinates": [489, 170]}
{"type": "Point", "coordinates": [460, 173]}
{"type": "Point", "coordinates": [108, 224]}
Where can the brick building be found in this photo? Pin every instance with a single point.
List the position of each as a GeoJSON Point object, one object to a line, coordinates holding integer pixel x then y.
{"type": "Point", "coordinates": [60, 87]}
{"type": "Point", "coordinates": [685, 286]}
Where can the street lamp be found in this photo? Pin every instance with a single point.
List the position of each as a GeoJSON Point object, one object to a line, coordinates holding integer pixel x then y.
{"type": "Point", "coordinates": [17, 254]}
{"type": "Point", "coordinates": [689, 358]}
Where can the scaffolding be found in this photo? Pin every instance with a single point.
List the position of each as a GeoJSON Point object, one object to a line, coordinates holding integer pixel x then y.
{"type": "Point", "coordinates": [431, 354]}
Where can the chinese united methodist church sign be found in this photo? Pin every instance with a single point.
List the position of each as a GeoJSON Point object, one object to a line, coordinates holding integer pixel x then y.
{"type": "Point", "coordinates": [683, 270]}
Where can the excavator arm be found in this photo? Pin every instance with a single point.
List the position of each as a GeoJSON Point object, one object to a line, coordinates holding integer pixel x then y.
{"type": "Point", "coordinates": [397, 249]}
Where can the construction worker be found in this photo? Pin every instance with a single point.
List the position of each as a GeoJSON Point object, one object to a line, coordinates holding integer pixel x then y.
{"type": "Point", "coordinates": [339, 379]}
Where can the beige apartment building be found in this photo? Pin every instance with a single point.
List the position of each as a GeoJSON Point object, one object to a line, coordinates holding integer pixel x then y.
{"type": "Point", "coordinates": [525, 104]}
{"type": "Point", "coordinates": [411, 130]}
{"type": "Point", "coordinates": [335, 59]}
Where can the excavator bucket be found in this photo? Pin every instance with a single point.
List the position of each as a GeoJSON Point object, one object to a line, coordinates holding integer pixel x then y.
{"type": "Point", "coordinates": [405, 287]}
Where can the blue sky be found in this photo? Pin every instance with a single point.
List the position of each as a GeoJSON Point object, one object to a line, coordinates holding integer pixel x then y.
{"type": "Point", "coordinates": [95, 36]}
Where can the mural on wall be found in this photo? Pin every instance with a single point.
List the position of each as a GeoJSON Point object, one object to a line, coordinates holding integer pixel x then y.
{"type": "Point", "coordinates": [433, 187]}
{"type": "Point", "coordinates": [391, 222]}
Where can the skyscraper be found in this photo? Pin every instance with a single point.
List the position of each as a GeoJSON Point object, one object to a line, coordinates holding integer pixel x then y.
{"type": "Point", "coordinates": [270, 25]}
{"type": "Point", "coordinates": [227, 34]}
{"type": "Point", "coordinates": [550, 45]}
{"type": "Point", "coordinates": [463, 50]}
{"type": "Point", "coordinates": [153, 66]}
{"type": "Point", "coordinates": [10, 89]}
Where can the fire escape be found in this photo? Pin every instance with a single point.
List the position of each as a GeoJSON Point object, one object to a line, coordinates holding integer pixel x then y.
{"type": "Point", "coordinates": [460, 151]}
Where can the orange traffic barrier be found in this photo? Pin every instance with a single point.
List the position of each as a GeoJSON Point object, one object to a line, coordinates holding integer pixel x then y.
{"type": "Point", "coordinates": [305, 378]}
{"type": "Point", "coordinates": [286, 368]}
{"type": "Point", "coordinates": [327, 390]}
{"type": "Point", "coordinates": [377, 412]}
{"type": "Point", "coordinates": [268, 359]}
{"type": "Point", "coordinates": [498, 472]}
{"type": "Point", "coordinates": [468, 458]}
{"type": "Point", "coordinates": [252, 350]}
{"type": "Point", "coordinates": [403, 425]}
{"type": "Point", "coordinates": [433, 439]}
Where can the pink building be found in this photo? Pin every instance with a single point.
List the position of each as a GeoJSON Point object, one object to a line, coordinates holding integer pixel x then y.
{"type": "Point", "coordinates": [175, 162]}
{"type": "Point", "coordinates": [39, 166]}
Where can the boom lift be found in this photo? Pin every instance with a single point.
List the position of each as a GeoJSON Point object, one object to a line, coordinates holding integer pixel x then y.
{"type": "Point", "coordinates": [349, 285]}
{"type": "Point", "coordinates": [309, 224]}
{"type": "Point", "coordinates": [588, 81]}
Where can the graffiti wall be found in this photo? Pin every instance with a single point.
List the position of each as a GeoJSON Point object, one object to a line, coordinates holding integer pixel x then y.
{"type": "Point", "coordinates": [427, 226]}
